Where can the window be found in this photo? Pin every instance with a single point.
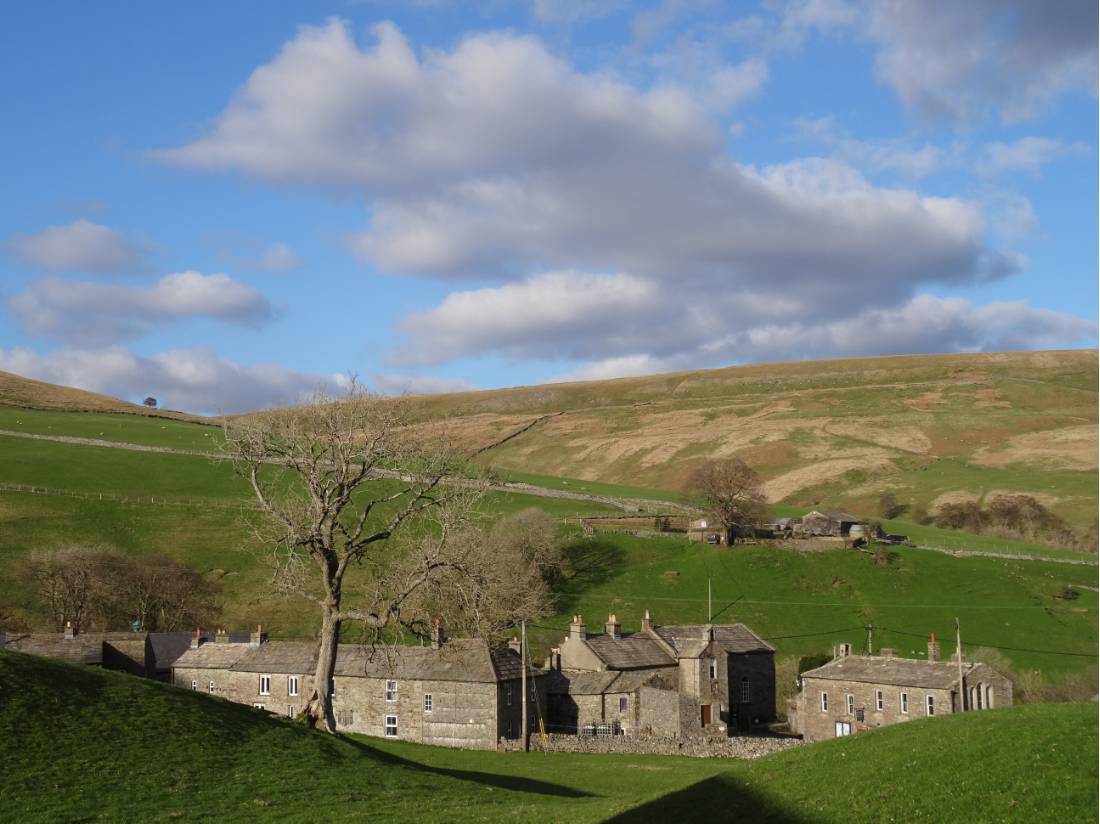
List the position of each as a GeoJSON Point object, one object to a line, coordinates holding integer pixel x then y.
{"type": "Point", "coordinates": [427, 702]}
{"type": "Point", "coordinates": [843, 728]}
{"type": "Point", "coordinates": [931, 705]}
{"type": "Point", "coordinates": [291, 710]}
{"type": "Point", "coordinates": [345, 718]}
{"type": "Point", "coordinates": [905, 702]}
{"type": "Point", "coordinates": [391, 690]}
{"type": "Point", "coordinates": [508, 696]}
{"type": "Point", "coordinates": [988, 697]}
{"type": "Point", "coordinates": [878, 700]}
{"type": "Point", "coordinates": [391, 726]}
{"type": "Point", "coordinates": [624, 703]}
{"type": "Point", "coordinates": [824, 702]}
{"type": "Point", "coordinates": [332, 687]}
{"type": "Point", "coordinates": [746, 690]}
{"type": "Point", "coordinates": [258, 706]}
{"type": "Point", "coordinates": [194, 684]}
{"type": "Point", "coordinates": [713, 668]}
{"type": "Point", "coordinates": [210, 688]}
{"type": "Point", "coordinates": [265, 685]}
{"type": "Point", "coordinates": [292, 685]}
{"type": "Point", "coordinates": [979, 696]}
{"type": "Point", "coordinates": [851, 704]}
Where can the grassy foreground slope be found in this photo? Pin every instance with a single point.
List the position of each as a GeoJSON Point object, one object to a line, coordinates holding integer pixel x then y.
{"type": "Point", "coordinates": [928, 428]}
{"type": "Point", "coordinates": [85, 745]}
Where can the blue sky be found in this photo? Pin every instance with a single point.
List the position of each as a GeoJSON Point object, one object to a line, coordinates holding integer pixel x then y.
{"type": "Point", "coordinates": [229, 205]}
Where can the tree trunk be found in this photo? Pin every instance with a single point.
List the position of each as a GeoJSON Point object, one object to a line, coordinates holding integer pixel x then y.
{"type": "Point", "coordinates": [319, 709]}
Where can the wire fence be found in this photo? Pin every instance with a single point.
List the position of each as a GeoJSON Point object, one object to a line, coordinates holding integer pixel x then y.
{"type": "Point", "coordinates": [156, 500]}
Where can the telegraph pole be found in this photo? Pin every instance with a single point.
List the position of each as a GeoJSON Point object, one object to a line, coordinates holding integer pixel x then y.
{"type": "Point", "coordinates": [523, 683]}
{"type": "Point", "coordinates": [959, 658]}
{"type": "Point", "coordinates": [710, 608]}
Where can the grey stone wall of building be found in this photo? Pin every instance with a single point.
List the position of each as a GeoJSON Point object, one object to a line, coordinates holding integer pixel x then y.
{"type": "Point", "coordinates": [816, 725]}
{"type": "Point", "coordinates": [743, 747]}
{"type": "Point", "coordinates": [667, 713]}
{"type": "Point", "coordinates": [759, 669]}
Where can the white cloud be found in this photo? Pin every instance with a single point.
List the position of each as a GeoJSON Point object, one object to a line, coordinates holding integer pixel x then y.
{"type": "Point", "coordinates": [81, 246]}
{"type": "Point", "coordinates": [1028, 154]}
{"type": "Point", "coordinates": [955, 60]}
{"type": "Point", "coordinates": [278, 257]}
{"type": "Point", "coordinates": [94, 314]}
{"type": "Point", "coordinates": [897, 156]}
{"type": "Point", "coordinates": [416, 384]}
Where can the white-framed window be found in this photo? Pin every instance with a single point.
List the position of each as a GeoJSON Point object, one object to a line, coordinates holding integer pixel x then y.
{"type": "Point", "coordinates": [291, 710]}
{"type": "Point", "coordinates": [843, 728]}
{"type": "Point", "coordinates": [508, 696]}
{"type": "Point", "coordinates": [878, 700]}
{"type": "Point", "coordinates": [210, 688]}
{"type": "Point", "coordinates": [391, 726]}
{"type": "Point", "coordinates": [988, 697]}
{"type": "Point", "coordinates": [332, 687]}
{"type": "Point", "coordinates": [265, 685]}
{"type": "Point", "coordinates": [746, 689]}
{"type": "Point", "coordinates": [979, 696]}
{"type": "Point", "coordinates": [427, 702]}
{"type": "Point", "coordinates": [905, 703]}
{"type": "Point", "coordinates": [824, 702]}
{"type": "Point", "coordinates": [624, 703]}
{"type": "Point", "coordinates": [194, 684]}
{"type": "Point", "coordinates": [931, 704]}
{"type": "Point", "coordinates": [257, 706]}
{"type": "Point", "coordinates": [851, 704]}
{"type": "Point", "coordinates": [391, 690]}
{"type": "Point", "coordinates": [713, 668]}
{"type": "Point", "coordinates": [292, 685]}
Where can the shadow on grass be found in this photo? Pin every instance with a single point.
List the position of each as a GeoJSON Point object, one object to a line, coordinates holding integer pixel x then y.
{"type": "Point", "coordinates": [593, 562]}
{"type": "Point", "coordinates": [719, 798]}
{"type": "Point", "coordinates": [504, 782]}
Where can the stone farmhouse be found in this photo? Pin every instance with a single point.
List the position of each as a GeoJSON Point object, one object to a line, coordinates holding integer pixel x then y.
{"type": "Point", "coordinates": [677, 681]}
{"type": "Point", "coordinates": [145, 654]}
{"type": "Point", "coordinates": [455, 692]}
{"type": "Point", "coordinates": [860, 692]}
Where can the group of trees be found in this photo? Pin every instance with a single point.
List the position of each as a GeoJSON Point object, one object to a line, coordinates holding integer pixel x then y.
{"type": "Point", "coordinates": [108, 589]}
{"type": "Point", "coordinates": [1014, 516]}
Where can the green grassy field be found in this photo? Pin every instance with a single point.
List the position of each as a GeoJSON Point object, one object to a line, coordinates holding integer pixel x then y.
{"type": "Point", "coordinates": [87, 745]}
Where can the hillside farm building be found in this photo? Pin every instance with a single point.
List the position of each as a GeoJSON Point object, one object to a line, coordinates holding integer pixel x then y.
{"type": "Point", "coordinates": [455, 693]}
{"type": "Point", "coordinates": [676, 681]}
{"type": "Point", "coordinates": [835, 524]}
{"type": "Point", "coordinates": [861, 692]}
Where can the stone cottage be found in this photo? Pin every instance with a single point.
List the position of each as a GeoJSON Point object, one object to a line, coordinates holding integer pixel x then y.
{"type": "Point", "coordinates": [676, 680]}
{"type": "Point", "coordinates": [455, 692]}
{"type": "Point", "coordinates": [859, 692]}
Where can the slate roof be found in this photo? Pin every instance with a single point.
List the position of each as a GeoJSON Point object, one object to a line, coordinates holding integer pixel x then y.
{"type": "Point", "coordinates": [168, 646]}
{"type": "Point", "coordinates": [900, 672]}
{"type": "Point", "coordinates": [597, 683]}
{"type": "Point", "coordinates": [629, 651]}
{"type": "Point", "coordinates": [842, 516]}
{"type": "Point", "coordinates": [211, 656]}
{"type": "Point", "coordinates": [85, 648]}
{"type": "Point", "coordinates": [689, 639]}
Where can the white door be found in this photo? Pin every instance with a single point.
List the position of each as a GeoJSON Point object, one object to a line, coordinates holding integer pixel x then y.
{"type": "Point", "coordinates": [843, 728]}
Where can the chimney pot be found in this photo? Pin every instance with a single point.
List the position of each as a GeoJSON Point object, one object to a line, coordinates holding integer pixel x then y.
{"type": "Point", "coordinates": [933, 648]}
{"type": "Point", "coordinates": [647, 622]}
{"type": "Point", "coordinates": [196, 642]}
{"type": "Point", "coordinates": [70, 633]}
{"type": "Point", "coordinates": [577, 628]}
{"type": "Point", "coordinates": [613, 627]}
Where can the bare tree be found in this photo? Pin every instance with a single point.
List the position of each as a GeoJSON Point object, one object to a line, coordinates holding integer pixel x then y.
{"type": "Point", "coordinates": [337, 481]}
{"type": "Point", "coordinates": [731, 490]}
{"type": "Point", "coordinates": [64, 582]}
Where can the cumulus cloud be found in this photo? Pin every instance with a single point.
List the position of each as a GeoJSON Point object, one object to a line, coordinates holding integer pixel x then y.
{"type": "Point", "coordinates": [924, 324]}
{"type": "Point", "coordinates": [955, 60]}
{"type": "Point", "coordinates": [900, 157]}
{"type": "Point", "coordinates": [95, 314]}
{"type": "Point", "coordinates": [278, 257]}
{"type": "Point", "coordinates": [1028, 154]}
{"type": "Point", "coordinates": [81, 246]}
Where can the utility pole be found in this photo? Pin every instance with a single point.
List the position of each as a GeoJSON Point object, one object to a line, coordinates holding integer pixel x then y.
{"type": "Point", "coordinates": [710, 608]}
{"type": "Point", "coordinates": [523, 683]}
{"type": "Point", "coordinates": [959, 658]}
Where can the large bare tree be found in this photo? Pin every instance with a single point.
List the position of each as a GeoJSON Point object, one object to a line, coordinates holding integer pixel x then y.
{"type": "Point", "coordinates": [731, 490]}
{"type": "Point", "coordinates": [347, 485]}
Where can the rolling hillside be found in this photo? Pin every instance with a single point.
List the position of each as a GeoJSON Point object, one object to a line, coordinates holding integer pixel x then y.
{"type": "Point", "coordinates": [929, 428]}
{"type": "Point", "coordinates": [176, 754]}
{"type": "Point", "coordinates": [20, 392]}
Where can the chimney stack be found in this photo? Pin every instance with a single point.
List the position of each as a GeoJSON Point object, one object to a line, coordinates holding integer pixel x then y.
{"type": "Point", "coordinates": [887, 652]}
{"type": "Point", "coordinates": [221, 636]}
{"type": "Point", "coordinates": [256, 638]}
{"type": "Point", "coordinates": [554, 661]}
{"type": "Point", "coordinates": [70, 633]}
{"type": "Point", "coordinates": [842, 650]}
{"type": "Point", "coordinates": [576, 629]}
{"type": "Point", "coordinates": [613, 627]}
{"type": "Point", "coordinates": [647, 623]}
{"type": "Point", "coordinates": [933, 648]}
{"type": "Point", "coordinates": [196, 642]}
{"type": "Point", "coordinates": [438, 635]}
